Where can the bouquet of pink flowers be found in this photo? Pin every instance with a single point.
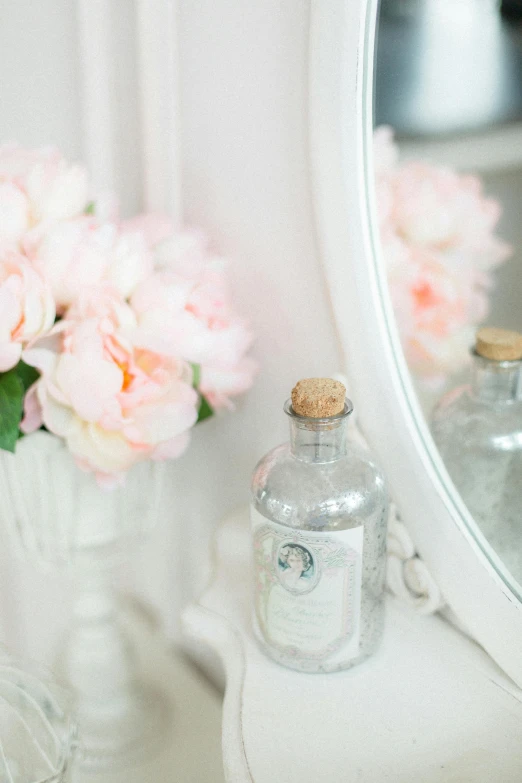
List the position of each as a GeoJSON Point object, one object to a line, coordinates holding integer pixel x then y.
{"type": "Point", "coordinates": [437, 232]}
{"type": "Point", "coordinates": [116, 336]}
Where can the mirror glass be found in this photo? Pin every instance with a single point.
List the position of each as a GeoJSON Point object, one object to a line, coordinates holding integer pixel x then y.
{"type": "Point", "coordinates": [448, 167]}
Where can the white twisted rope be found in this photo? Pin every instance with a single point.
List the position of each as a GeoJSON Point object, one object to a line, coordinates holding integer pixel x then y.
{"type": "Point", "coordinates": [407, 576]}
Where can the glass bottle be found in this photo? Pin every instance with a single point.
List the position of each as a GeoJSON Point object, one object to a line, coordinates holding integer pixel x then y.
{"type": "Point", "coordinates": [478, 430]}
{"type": "Point", "coordinates": [319, 517]}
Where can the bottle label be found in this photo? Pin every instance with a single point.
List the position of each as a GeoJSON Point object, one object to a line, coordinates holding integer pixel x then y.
{"type": "Point", "coordinates": [308, 592]}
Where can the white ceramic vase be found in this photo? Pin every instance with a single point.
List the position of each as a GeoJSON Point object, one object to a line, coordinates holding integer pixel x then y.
{"type": "Point", "coordinates": [62, 518]}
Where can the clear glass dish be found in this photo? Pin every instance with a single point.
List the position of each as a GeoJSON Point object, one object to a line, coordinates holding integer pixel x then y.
{"type": "Point", "coordinates": [38, 736]}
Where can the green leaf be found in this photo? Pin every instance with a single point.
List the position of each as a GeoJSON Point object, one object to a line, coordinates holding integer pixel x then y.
{"type": "Point", "coordinates": [11, 406]}
{"type": "Point", "coordinates": [205, 411]}
{"type": "Point", "coordinates": [90, 208]}
{"type": "Point", "coordinates": [196, 375]}
{"type": "Point", "coordinates": [28, 375]}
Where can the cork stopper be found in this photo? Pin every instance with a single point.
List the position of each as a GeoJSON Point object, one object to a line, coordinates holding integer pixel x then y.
{"type": "Point", "coordinates": [318, 398]}
{"type": "Point", "coordinates": [501, 345]}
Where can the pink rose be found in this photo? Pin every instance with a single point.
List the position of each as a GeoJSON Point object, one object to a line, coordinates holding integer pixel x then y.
{"type": "Point", "coordinates": [114, 403]}
{"type": "Point", "coordinates": [26, 307]}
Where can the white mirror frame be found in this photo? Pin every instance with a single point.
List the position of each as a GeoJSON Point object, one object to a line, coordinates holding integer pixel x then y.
{"type": "Point", "coordinates": [341, 94]}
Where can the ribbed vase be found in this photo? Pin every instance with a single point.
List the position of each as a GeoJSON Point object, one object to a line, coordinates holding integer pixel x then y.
{"type": "Point", "coordinates": [57, 512]}
{"type": "Point", "coordinates": [62, 518]}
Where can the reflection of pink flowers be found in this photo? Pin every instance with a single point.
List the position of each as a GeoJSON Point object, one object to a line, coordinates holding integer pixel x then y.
{"type": "Point", "coordinates": [113, 403]}
{"type": "Point", "coordinates": [438, 208]}
{"type": "Point", "coordinates": [26, 307]}
{"type": "Point", "coordinates": [437, 231]}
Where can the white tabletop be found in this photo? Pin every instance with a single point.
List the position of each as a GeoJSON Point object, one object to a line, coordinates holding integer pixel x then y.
{"type": "Point", "coordinates": [191, 749]}
{"type": "Point", "coordinates": [430, 706]}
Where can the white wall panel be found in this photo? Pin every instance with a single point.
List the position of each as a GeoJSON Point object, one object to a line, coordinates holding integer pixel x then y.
{"type": "Point", "coordinates": [245, 179]}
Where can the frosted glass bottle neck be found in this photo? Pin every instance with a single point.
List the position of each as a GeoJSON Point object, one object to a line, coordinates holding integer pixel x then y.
{"type": "Point", "coordinates": [318, 440]}
{"type": "Point", "coordinates": [498, 382]}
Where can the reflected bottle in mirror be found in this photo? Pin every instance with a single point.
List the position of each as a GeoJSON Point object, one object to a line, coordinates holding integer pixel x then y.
{"type": "Point", "coordinates": [478, 430]}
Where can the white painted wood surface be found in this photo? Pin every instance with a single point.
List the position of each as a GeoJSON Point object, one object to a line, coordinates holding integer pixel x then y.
{"type": "Point", "coordinates": [243, 69]}
{"type": "Point", "coordinates": [95, 39]}
{"type": "Point", "coordinates": [190, 750]}
{"type": "Point", "coordinates": [445, 535]}
{"type": "Point", "coordinates": [429, 707]}
{"type": "Point", "coordinates": [157, 34]}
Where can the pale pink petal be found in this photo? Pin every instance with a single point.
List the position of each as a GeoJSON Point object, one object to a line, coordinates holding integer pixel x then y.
{"type": "Point", "coordinates": [14, 212]}
{"type": "Point", "coordinates": [89, 383]}
{"type": "Point", "coordinates": [171, 449]}
{"type": "Point", "coordinates": [153, 227]}
{"type": "Point", "coordinates": [10, 354]}
{"type": "Point", "coordinates": [185, 252]}
{"type": "Point", "coordinates": [33, 418]}
{"type": "Point", "coordinates": [154, 423]}
{"type": "Point", "coordinates": [130, 263]}
{"type": "Point", "coordinates": [105, 452]}
{"type": "Point", "coordinates": [218, 384]}
{"type": "Point", "coordinates": [61, 193]}
{"type": "Point", "coordinates": [57, 418]}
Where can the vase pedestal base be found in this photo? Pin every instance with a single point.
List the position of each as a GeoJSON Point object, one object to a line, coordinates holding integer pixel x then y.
{"type": "Point", "coordinates": [122, 717]}
{"type": "Point", "coordinates": [126, 732]}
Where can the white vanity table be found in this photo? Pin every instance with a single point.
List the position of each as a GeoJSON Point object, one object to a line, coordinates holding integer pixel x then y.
{"type": "Point", "coordinates": [430, 706]}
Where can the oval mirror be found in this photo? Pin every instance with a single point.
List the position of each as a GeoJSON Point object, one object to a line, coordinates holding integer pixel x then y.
{"type": "Point", "coordinates": [416, 145]}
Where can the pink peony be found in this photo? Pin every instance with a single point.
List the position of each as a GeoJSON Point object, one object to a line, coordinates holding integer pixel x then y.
{"type": "Point", "coordinates": [26, 307]}
{"type": "Point", "coordinates": [437, 234]}
{"type": "Point", "coordinates": [37, 188]}
{"type": "Point", "coordinates": [185, 310]}
{"type": "Point", "coordinates": [137, 304]}
{"type": "Point", "coordinates": [74, 254]}
{"type": "Point", "coordinates": [113, 402]}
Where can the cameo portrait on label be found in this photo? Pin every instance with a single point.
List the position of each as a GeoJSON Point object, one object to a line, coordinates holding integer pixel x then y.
{"type": "Point", "coordinates": [307, 591]}
{"type": "Point", "coordinates": [297, 567]}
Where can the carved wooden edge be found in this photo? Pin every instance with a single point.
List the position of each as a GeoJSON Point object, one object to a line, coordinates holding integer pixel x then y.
{"type": "Point", "coordinates": [224, 638]}
{"type": "Point", "coordinates": [207, 626]}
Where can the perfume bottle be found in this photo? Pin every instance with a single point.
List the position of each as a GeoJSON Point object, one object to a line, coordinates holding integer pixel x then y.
{"type": "Point", "coordinates": [478, 430]}
{"type": "Point", "coordinates": [319, 516]}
